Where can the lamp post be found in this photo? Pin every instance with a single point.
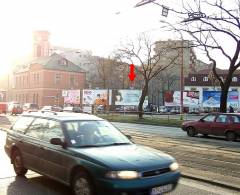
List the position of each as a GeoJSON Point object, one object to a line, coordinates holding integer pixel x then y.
{"type": "Point", "coordinates": [181, 84]}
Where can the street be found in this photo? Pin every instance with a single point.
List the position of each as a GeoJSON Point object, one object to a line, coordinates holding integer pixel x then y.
{"type": "Point", "coordinates": [211, 158]}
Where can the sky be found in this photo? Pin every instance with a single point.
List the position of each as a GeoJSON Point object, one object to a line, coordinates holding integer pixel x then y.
{"type": "Point", "coordinates": [82, 24]}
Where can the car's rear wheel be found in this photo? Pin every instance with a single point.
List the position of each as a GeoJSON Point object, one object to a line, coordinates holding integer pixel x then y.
{"type": "Point", "coordinates": [17, 161]}
{"type": "Point", "coordinates": [231, 136]}
{"type": "Point", "coordinates": [191, 131]}
{"type": "Point", "coordinates": [82, 184]}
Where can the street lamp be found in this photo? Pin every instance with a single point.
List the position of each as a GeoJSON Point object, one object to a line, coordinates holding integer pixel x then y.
{"type": "Point", "coordinates": [165, 11]}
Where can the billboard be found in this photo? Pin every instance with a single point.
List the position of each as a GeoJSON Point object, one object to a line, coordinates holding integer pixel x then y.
{"type": "Point", "coordinates": [129, 97]}
{"type": "Point", "coordinates": [212, 99]}
{"type": "Point", "coordinates": [71, 96]}
{"type": "Point", "coordinates": [97, 96]}
{"type": "Point", "coordinates": [190, 98]}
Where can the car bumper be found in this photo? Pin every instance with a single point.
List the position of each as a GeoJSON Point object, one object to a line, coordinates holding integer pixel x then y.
{"type": "Point", "coordinates": [183, 128]}
{"type": "Point", "coordinates": [141, 186]}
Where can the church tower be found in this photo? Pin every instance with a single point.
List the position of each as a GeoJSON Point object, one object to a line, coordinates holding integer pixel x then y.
{"type": "Point", "coordinates": [41, 45]}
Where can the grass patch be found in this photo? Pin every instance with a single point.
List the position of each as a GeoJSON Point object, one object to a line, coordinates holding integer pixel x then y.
{"type": "Point", "coordinates": [145, 120]}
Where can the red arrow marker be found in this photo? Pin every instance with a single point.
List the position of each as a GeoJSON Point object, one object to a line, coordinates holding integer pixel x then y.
{"type": "Point", "coordinates": [131, 74]}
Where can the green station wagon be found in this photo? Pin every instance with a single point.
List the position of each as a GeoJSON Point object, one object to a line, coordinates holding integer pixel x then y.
{"type": "Point", "coordinates": [88, 154]}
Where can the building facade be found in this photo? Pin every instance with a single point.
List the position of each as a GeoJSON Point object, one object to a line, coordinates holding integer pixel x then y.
{"type": "Point", "coordinates": [169, 79]}
{"type": "Point", "coordinates": [43, 80]}
{"type": "Point", "coordinates": [203, 80]}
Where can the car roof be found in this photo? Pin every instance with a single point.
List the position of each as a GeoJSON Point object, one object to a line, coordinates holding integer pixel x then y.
{"type": "Point", "coordinates": [232, 113]}
{"type": "Point", "coordinates": [63, 116]}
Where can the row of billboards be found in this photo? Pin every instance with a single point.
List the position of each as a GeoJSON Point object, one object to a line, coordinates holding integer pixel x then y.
{"type": "Point", "coordinates": [129, 97]}
{"type": "Point", "coordinates": [192, 98]}
{"type": "Point", "coordinates": [103, 97]}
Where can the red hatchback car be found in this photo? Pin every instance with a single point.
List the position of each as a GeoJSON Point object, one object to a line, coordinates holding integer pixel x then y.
{"type": "Point", "coordinates": [217, 124]}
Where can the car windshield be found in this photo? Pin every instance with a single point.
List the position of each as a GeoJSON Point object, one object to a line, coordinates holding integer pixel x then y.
{"type": "Point", "coordinates": [94, 134]}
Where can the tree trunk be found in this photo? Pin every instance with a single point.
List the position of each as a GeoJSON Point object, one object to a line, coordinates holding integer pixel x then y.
{"type": "Point", "coordinates": [142, 98]}
{"type": "Point", "coordinates": [223, 100]}
{"type": "Point", "coordinates": [224, 95]}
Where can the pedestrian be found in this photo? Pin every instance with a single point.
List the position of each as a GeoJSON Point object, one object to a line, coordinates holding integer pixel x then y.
{"type": "Point", "coordinates": [231, 109]}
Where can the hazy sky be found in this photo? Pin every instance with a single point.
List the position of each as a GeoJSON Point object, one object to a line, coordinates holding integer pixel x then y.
{"type": "Point", "coordinates": [83, 24]}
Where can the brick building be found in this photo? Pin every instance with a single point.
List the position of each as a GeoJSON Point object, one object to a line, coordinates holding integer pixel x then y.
{"type": "Point", "coordinates": [43, 80]}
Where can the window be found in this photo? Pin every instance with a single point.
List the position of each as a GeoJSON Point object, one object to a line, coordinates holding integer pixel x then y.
{"type": "Point", "coordinates": [63, 62]}
{"type": "Point", "coordinates": [37, 128]}
{"type": "Point", "coordinates": [71, 80]}
{"type": "Point", "coordinates": [209, 118]}
{"type": "Point", "coordinates": [234, 79]}
{"type": "Point", "coordinates": [57, 78]}
{"type": "Point", "coordinates": [205, 79]}
{"type": "Point", "coordinates": [53, 131]}
{"type": "Point", "coordinates": [193, 79]}
{"type": "Point", "coordinates": [221, 119]}
{"type": "Point", "coordinates": [234, 119]}
{"type": "Point", "coordinates": [22, 124]}
{"type": "Point", "coordinates": [234, 89]}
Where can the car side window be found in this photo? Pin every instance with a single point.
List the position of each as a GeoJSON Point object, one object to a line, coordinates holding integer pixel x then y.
{"type": "Point", "coordinates": [221, 119]}
{"type": "Point", "coordinates": [209, 118]}
{"type": "Point", "coordinates": [37, 127]}
{"type": "Point", "coordinates": [235, 119]}
{"type": "Point", "coordinates": [22, 124]}
{"type": "Point", "coordinates": [53, 130]}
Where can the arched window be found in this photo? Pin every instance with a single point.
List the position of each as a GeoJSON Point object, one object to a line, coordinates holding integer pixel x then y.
{"type": "Point", "coordinates": [205, 79]}
{"type": "Point", "coordinates": [193, 79]}
{"type": "Point", "coordinates": [234, 79]}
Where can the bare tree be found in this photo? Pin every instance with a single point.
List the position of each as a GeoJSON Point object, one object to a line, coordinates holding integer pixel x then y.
{"type": "Point", "coordinates": [143, 52]}
{"type": "Point", "coordinates": [213, 25]}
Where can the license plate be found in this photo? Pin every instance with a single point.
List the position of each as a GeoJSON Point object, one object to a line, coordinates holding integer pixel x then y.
{"type": "Point", "coordinates": [161, 189]}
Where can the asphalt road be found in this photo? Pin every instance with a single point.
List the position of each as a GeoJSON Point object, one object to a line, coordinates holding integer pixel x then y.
{"type": "Point", "coordinates": [35, 184]}
{"type": "Point", "coordinates": [211, 157]}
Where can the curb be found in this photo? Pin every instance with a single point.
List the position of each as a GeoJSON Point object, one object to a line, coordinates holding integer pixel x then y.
{"type": "Point", "coordinates": [224, 185]}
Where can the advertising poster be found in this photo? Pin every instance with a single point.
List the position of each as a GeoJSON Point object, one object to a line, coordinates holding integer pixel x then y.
{"type": "Point", "coordinates": [96, 97]}
{"type": "Point", "coordinates": [212, 99]}
{"type": "Point", "coordinates": [129, 97]}
{"type": "Point", "coordinates": [73, 97]}
{"type": "Point", "coordinates": [190, 98]}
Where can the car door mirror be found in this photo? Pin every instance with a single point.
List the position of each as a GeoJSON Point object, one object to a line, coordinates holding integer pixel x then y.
{"type": "Point", "coordinates": [57, 141]}
{"type": "Point", "coordinates": [201, 120]}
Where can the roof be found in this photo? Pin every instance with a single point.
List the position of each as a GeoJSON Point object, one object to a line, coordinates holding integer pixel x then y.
{"type": "Point", "coordinates": [219, 71]}
{"type": "Point", "coordinates": [53, 62]}
{"type": "Point", "coordinates": [63, 116]}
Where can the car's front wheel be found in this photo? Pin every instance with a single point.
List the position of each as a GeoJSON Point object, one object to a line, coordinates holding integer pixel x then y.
{"type": "Point", "coordinates": [82, 184]}
{"type": "Point", "coordinates": [191, 131]}
{"type": "Point", "coordinates": [17, 161]}
{"type": "Point", "coordinates": [231, 136]}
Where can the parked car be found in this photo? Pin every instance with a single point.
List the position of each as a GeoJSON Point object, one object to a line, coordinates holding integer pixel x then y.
{"type": "Point", "coordinates": [75, 109]}
{"type": "Point", "coordinates": [175, 110]}
{"type": "Point", "coordinates": [15, 108]}
{"type": "Point", "coordinates": [193, 110]}
{"type": "Point", "coordinates": [163, 109]}
{"type": "Point", "coordinates": [119, 108]}
{"type": "Point", "coordinates": [89, 154]}
{"type": "Point", "coordinates": [30, 107]}
{"type": "Point", "coordinates": [52, 108]}
{"type": "Point", "coordinates": [218, 124]}
{"type": "Point", "coordinates": [3, 107]}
